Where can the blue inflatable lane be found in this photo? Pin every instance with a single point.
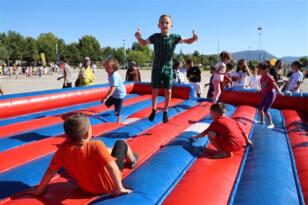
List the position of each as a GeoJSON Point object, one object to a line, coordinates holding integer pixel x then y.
{"type": "Point", "coordinates": [53, 112]}
{"type": "Point", "coordinates": [268, 177]}
{"type": "Point", "coordinates": [38, 134]}
{"type": "Point", "coordinates": [155, 178]}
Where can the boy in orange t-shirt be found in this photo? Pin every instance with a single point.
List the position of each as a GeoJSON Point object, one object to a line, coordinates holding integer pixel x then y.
{"type": "Point", "coordinates": [95, 168]}
{"type": "Point", "coordinates": [224, 133]}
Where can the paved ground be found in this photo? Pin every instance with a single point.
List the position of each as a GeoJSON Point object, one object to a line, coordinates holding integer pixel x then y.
{"type": "Point", "coordinates": [35, 83]}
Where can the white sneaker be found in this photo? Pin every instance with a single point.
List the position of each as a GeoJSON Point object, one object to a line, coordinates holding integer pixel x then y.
{"type": "Point", "coordinates": [271, 126]}
{"type": "Point", "coordinates": [259, 122]}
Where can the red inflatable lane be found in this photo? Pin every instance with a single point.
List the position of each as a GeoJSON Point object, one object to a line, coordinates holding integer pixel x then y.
{"type": "Point", "coordinates": [177, 91]}
{"type": "Point", "coordinates": [51, 120]}
{"type": "Point", "coordinates": [253, 99]}
{"type": "Point", "coordinates": [30, 104]}
{"type": "Point", "coordinates": [210, 181]}
{"type": "Point", "coordinates": [146, 112]}
{"type": "Point", "coordinates": [298, 132]}
{"type": "Point", "coordinates": [145, 144]}
{"type": "Point", "coordinates": [34, 150]}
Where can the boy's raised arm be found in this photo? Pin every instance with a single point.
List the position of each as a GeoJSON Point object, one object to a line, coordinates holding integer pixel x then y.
{"type": "Point", "coordinates": [40, 189]}
{"type": "Point", "coordinates": [140, 39]}
{"type": "Point", "coordinates": [190, 40]}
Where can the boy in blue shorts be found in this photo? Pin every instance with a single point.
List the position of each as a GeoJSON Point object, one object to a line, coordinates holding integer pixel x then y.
{"type": "Point", "coordinates": [162, 74]}
{"type": "Point", "coordinates": [117, 90]}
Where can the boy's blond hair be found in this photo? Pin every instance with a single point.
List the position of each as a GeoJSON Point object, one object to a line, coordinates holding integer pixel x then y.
{"type": "Point", "coordinates": [113, 62]}
{"type": "Point", "coordinates": [76, 127]}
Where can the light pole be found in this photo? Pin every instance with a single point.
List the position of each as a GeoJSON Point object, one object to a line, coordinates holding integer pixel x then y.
{"type": "Point", "coordinates": [260, 38]}
{"type": "Point", "coordinates": [218, 51]}
{"type": "Point", "coordinates": [124, 60]}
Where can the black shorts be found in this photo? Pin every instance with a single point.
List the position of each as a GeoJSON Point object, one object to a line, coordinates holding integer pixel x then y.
{"type": "Point", "coordinates": [119, 151]}
{"type": "Point", "coordinates": [117, 104]}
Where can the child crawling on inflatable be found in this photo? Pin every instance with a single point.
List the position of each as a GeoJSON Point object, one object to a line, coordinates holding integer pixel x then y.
{"type": "Point", "coordinates": [224, 133]}
{"type": "Point", "coordinates": [95, 168]}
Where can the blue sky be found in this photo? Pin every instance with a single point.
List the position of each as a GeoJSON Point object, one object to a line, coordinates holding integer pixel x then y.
{"type": "Point", "coordinates": [231, 22]}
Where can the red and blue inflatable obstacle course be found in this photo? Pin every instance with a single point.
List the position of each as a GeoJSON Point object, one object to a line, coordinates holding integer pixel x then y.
{"type": "Point", "coordinates": [274, 172]}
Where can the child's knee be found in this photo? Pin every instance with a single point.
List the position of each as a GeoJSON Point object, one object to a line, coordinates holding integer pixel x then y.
{"type": "Point", "coordinates": [120, 143]}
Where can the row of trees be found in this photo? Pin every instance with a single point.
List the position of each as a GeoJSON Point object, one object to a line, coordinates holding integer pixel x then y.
{"type": "Point", "coordinates": [15, 47]}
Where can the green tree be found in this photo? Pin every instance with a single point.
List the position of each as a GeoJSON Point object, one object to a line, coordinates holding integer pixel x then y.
{"type": "Point", "coordinates": [47, 44]}
{"type": "Point", "coordinates": [140, 54]}
{"type": "Point", "coordinates": [107, 51]}
{"type": "Point", "coordinates": [90, 47]}
{"type": "Point", "coordinates": [15, 45]}
{"type": "Point", "coordinates": [31, 53]}
{"type": "Point", "coordinates": [139, 57]}
{"type": "Point", "coordinates": [304, 61]}
{"type": "Point", "coordinates": [4, 54]}
{"type": "Point", "coordinates": [119, 55]}
{"type": "Point", "coordinates": [72, 53]}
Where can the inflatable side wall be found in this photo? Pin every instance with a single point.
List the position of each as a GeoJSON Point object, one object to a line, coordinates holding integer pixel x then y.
{"type": "Point", "coordinates": [20, 104]}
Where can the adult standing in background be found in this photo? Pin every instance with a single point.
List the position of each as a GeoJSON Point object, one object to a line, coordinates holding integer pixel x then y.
{"type": "Point", "coordinates": [67, 74]}
{"type": "Point", "coordinates": [276, 72]}
{"type": "Point", "coordinates": [1, 90]}
{"type": "Point", "coordinates": [133, 73]}
{"type": "Point", "coordinates": [194, 76]}
{"type": "Point", "coordinates": [94, 67]}
{"type": "Point", "coordinates": [86, 75]}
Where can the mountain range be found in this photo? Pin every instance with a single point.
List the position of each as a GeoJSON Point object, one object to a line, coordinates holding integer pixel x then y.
{"type": "Point", "coordinates": [255, 54]}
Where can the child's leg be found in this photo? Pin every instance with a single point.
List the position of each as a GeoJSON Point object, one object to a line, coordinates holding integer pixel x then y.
{"type": "Point", "coordinates": [269, 100]}
{"type": "Point", "coordinates": [261, 113]}
{"type": "Point", "coordinates": [117, 108]}
{"type": "Point", "coordinates": [211, 135]}
{"type": "Point", "coordinates": [269, 118]}
{"type": "Point", "coordinates": [217, 90]}
{"type": "Point", "coordinates": [119, 151]}
{"type": "Point", "coordinates": [155, 92]}
{"type": "Point", "coordinates": [221, 151]}
{"type": "Point", "coordinates": [122, 151]}
{"type": "Point", "coordinates": [167, 99]}
{"type": "Point", "coordinates": [119, 119]}
{"type": "Point", "coordinates": [198, 89]}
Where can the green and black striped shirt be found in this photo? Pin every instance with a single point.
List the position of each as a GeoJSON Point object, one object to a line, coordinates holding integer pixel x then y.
{"type": "Point", "coordinates": [164, 47]}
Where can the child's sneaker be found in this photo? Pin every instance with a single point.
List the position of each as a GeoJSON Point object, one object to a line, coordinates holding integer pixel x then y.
{"type": "Point", "coordinates": [165, 117]}
{"type": "Point", "coordinates": [271, 126]}
{"type": "Point", "coordinates": [133, 164]}
{"type": "Point", "coordinates": [152, 115]}
{"type": "Point", "coordinates": [259, 122]}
